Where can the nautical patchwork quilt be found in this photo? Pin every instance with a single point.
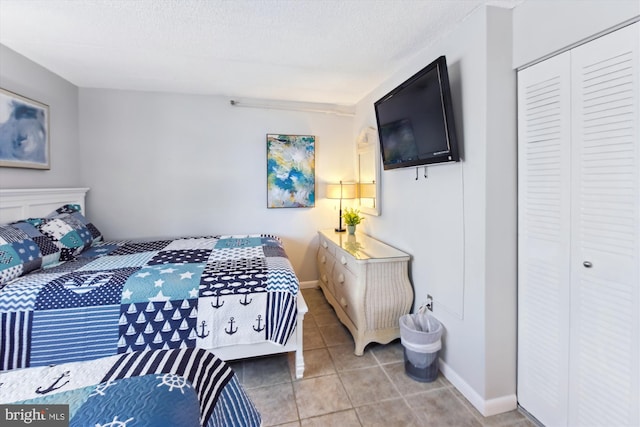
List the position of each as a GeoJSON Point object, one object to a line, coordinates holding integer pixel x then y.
{"type": "Point", "coordinates": [120, 297]}
{"type": "Point", "coordinates": [180, 387]}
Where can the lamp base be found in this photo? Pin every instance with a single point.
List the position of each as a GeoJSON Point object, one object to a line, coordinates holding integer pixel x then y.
{"type": "Point", "coordinates": [340, 229]}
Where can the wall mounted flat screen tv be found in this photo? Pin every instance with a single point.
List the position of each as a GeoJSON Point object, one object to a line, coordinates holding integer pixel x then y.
{"type": "Point", "coordinates": [415, 120]}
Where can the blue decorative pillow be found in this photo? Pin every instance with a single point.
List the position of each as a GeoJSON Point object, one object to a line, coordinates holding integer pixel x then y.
{"type": "Point", "coordinates": [23, 249]}
{"type": "Point", "coordinates": [73, 215]}
{"type": "Point", "coordinates": [69, 235]}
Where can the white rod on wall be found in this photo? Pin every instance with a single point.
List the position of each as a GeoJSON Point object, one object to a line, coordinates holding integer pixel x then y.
{"type": "Point", "coordinates": [307, 107]}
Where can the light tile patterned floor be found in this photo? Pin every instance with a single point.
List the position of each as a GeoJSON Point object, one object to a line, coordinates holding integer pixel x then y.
{"type": "Point", "coordinates": [341, 389]}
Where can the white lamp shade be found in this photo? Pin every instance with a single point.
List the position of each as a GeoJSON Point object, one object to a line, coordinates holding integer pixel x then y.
{"type": "Point", "coordinates": [341, 191]}
{"type": "Point", "coordinates": [333, 191]}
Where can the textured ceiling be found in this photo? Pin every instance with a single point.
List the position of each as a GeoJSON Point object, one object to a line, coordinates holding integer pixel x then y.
{"type": "Point", "coordinates": [327, 51]}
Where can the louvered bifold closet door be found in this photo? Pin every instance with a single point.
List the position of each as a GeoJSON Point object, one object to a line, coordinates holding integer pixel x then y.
{"type": "Point", "coordinates": [605, 327]}
{"type": "Point", "coordinates": [543, 238]}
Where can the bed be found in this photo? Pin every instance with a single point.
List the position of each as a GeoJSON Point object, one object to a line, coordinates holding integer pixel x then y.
{"type": "Point", "coordinates": [234, 295]}
{"type": "Point", "coordinates": [179, 387]}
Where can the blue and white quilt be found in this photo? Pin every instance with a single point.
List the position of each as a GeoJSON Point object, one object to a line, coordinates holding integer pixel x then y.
{"type": "Point", "coordinates": [120, 297]}
{"type": "Point", "coordinates": [181, 388]}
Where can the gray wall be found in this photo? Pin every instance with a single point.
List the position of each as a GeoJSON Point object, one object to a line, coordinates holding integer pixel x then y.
{"type": "Point", "coordinates": [162, 164]}
{"type": "Point", "coordinates": [26, 78]}
{"type": "Point", "coordinates": [459, 224]}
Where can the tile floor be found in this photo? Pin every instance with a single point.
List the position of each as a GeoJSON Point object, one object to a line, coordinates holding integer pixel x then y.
{"type": "Point", "coordinates": [341, 389]}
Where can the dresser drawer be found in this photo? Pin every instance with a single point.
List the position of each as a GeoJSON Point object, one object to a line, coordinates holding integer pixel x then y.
{"type": "Point", "coordinates": [325, 260]}
{"type": "Point", "coordinates": [327, 245]}
{"type": "Point", "coordinates": [346, 292]}
{"type": "Point", "coordinates": [325, 263]}
{"type": "Point", "coordinates": [346, 260]}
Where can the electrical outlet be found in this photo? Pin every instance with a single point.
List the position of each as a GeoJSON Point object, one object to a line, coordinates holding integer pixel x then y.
{"type": "Point", "coordinates": [429, 303]}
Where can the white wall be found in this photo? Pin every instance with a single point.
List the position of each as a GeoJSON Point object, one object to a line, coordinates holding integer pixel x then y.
{"type": "Point", "coordinates": [26, 78]}
{"type": "Point", "coordinates": [163, 164]}
{"type": "Point", "coordinates": [459, 224]}
{"type": "Point", "coordinates": [545, 27]}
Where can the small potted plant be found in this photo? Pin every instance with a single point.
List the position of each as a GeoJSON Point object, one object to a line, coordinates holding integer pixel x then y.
{"type": "Point", "coordinates": [352, 218]}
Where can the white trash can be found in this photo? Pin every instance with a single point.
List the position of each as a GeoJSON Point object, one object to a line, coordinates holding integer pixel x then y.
{"type": "Point", "coordinates": [420, 335]}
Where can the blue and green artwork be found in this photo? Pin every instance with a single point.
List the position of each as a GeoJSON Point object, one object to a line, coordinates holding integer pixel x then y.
{"type": "Point", "coordinates": [291, 171]}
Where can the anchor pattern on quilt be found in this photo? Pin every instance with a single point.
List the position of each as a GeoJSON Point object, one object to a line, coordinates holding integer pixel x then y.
{"type": "Point", "coordinates": [55, 385]}
{"type": "Point", "coordinates": [258, 328]}
{"type": "Point", "coordinates": [231, 329]}
{"type": "Point", "coordinates": [218, 304]}
{"type": "Point", "coordinates": [203, 333]}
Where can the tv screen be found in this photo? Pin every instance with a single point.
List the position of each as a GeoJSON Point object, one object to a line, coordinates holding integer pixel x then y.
{"type": "Point", "coordinates": [415, 120]}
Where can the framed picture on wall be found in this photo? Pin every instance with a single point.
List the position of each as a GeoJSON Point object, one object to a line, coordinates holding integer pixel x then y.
{"type": "Point", "coordinates": [24, 132]}
{"type": "Point", "coordinates": [291, 179]}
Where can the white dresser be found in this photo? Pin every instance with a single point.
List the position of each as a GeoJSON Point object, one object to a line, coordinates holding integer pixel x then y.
{"type": "Point", "coordinates": [367, 283]}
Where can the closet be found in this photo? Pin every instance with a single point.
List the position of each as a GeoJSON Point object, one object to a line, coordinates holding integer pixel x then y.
{"type": "Point", "coordinates": [579, 234]}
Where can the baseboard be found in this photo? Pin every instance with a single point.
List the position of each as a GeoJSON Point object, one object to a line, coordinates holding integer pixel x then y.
{"type": "Point", "coordinates": [310, 284]}
{"type": "Point", "coordinates": [487, 408]}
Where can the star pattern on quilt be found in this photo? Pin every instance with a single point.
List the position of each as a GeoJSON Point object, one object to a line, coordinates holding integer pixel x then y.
{"type": "Point", "coordinates": [174, 281]}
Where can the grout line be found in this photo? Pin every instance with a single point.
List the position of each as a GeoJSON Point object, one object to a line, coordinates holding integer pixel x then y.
{"type": "Point", "coordinates": [337, 373]}
{"type": "Point", "coordinates": [295, 400]}
{"type": "Point", "coordinates": [402, 395]}
{"type": "Point", "coordinates": [466, 404]}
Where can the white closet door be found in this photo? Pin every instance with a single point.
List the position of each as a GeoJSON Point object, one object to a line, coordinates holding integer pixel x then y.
{"type": "Point", "coordinates": [543, 238]}
{"type": "Point", "coordinates": [605, 296]}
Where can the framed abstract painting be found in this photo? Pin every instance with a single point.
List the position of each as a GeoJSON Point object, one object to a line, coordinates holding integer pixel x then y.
{"type": "Point", "coordinates": [24, 132]}
{"type": "Point", "coordinates": [291, 171]}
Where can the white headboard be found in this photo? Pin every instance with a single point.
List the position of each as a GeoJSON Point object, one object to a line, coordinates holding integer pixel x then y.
{"type": "Point", "coordinates": [16, 204]}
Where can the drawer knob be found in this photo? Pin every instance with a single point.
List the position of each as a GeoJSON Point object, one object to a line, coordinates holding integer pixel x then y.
{"type": "Point", "coordinates": [341, 278]}
{"type": "Point", "coordinates": [324, 245]}
{"type": "Point", "coordinates": [323, 259]}
{"type": "Point", "coordinates": [324, 278]}
{"type": "Point", "coordinates": [343, 260]}
{"type": "Point", "coordinates": [343, 302]}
